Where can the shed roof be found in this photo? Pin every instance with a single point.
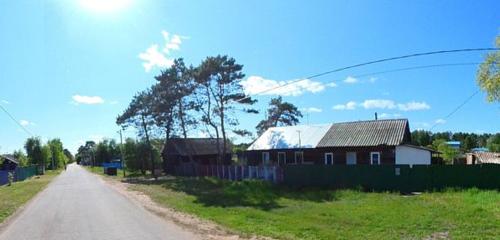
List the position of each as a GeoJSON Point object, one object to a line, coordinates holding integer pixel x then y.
{"type": "Point", "coordinates": [194, 146]}
{"type": "Point", "coordinates": [300, 136]}
{"type": "Point", "coordinates": [390, 132]}
{"type": "Point", "coordinates": [11, 158]}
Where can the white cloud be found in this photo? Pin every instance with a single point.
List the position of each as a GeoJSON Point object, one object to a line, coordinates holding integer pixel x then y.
{"type": "Point", "coordinates": [379, 103]}
{"type": "Point", "coordinates": [440, 121]}
{"type": "Point", "coordinates": [156, 57]}
{"type": "Point", "coordinates": [332, 84]}
{"type": "Point", "coordinates": [351, 80]}
{"type": "Point", "coordinates": [78, 99]}
{"type": "Point", "coordinates": [25, 123]}
{"type": "Point", "coordinates": [256, 84]}
{"type": "Point", "coordinates": [413, 106]}
{"type": "Point", "coordinates": [351, 105]}
{"type": "Point", "coordinates": [5, 101]}
{"type": "Point", "coordinates": [312, 110]}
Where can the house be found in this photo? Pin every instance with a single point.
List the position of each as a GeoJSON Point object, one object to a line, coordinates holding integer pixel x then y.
{"type": "Point", "coordinates": [362, 142]}
{"type": "Point", "coordinates": [9, 162]}
{"type": "Point", "coordinates": [199, 150]}
{"type": "Point", "coordinates": [482, 158]}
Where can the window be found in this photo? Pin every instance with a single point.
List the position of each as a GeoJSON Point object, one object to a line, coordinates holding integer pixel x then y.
{"type": "Point", "coordinates": [265, 158]}
{"type": "Point", "coordinates": [299, 157]}
{"type": "Point", "coordinates": [375, 158]}
{"type": "Point", "coordinates": [281, 158]}
{"type": "Point", "coordinates": [351, 158]}
{"type": "Point", "coordinates": [328, 158]}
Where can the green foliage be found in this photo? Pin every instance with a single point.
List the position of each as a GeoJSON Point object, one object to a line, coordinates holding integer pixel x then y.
{"type": "Point", "coordinates": [488, 76]}
{"type": "Point", "coordinates": [279, 113]}
{"type": "Point", "coordinates": [33, 147]}
{"type": "Point", "coordinates": [57, 157]}
{"type": "Point", "coordinates": [448, 153]}
{"type": "Point", "coordinates": [23, 159]}
{"type": "Point", "coordinates": [493, 143]}
{"type": "Point", "coordinates": [467, 140]}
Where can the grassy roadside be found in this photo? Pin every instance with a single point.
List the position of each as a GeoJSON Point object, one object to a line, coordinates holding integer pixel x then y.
{"type": "Point", "coordinates": [253, 207]}
{"type": "Point", "coordinates": [14, 196]}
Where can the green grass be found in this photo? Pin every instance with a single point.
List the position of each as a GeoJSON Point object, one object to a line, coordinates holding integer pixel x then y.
{"type": "Point", "coordinates": [254, 207]}
{"type": "Point", "coordinates": [14, 196]}
{"type": "Point", "coordinates": [119, 174]}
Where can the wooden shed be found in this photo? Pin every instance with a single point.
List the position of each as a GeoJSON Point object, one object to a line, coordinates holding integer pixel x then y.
{"type": "Point", "coordinates": [196, 150]}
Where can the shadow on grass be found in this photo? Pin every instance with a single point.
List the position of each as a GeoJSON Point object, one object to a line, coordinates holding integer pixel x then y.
{"type": "Point", "coordinates": [249, 193]}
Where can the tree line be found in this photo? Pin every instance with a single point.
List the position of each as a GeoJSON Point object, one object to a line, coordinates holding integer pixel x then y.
{"type": "Point", "coordinates": [468, 141]}
{"type": "Point", "coordinates": [49, 155]}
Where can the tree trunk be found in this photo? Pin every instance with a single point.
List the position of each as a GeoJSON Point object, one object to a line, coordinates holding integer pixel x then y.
{"type": "Point", "coordinates": [150, 148]}
{"type": "Point", "coordinates": [223, 130]}
{"type": "Point", "coordinates": [183, 126]}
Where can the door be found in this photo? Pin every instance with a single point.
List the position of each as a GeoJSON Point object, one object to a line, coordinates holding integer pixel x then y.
{"type": "Point", "coordinates": [351, 158]}
{"type": "Point", "coordinates": [328, 158]}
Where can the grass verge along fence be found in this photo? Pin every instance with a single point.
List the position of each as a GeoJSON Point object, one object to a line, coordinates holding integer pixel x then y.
{"type": "Point", "coordinates": [231, 172]}
{"type": "Point", "coordinates": [394, 177]}
{"type": "Point", "coordinates": [20, 174]}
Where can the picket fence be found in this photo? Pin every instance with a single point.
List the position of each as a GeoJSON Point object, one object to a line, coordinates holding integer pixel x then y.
{"type": "Point", "coordinates": [231, 172]}
{"type": "Point", "coordinates": [20, 174]}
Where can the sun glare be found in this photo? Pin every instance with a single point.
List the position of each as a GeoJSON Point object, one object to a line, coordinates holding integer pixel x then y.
{"type": "Point", "coordinates": [105, 5]}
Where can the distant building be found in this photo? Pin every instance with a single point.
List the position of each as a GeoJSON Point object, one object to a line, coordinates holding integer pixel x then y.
{"type": "Point", "coordinates": [363, 142]}
{"type": "Point", "coordinates": [9, 162]}
{"type": "Point", "coordinates": [479, 149]}
{"type": "Point", "coordinates": [482, 158]}
{"type": "Point", "coordinates": [454, 144]}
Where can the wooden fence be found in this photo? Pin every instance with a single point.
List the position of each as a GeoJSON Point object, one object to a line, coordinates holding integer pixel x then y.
{"type": "Point", "coordinates": [231, 172]}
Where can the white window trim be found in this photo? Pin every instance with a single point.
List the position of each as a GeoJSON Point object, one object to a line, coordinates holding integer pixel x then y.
{"type": "Point", "coordinates": [268, 158]}
{"type": "Point", "coordinates": [328, 154]}
{"type": "Point", "coordinates": [284, 154]}
{"type": "Point", "coordinates": [295, 157]}
{"type": "Point", "coordinates": [379, 157]}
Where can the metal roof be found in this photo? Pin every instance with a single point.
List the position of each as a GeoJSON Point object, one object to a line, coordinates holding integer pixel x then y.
{"type": "Point", "coordinates": [390, 132]}
{"type": "Point", "coordinates": [300, 136]}
{"type": "Point", "coordinates": [10, 158]}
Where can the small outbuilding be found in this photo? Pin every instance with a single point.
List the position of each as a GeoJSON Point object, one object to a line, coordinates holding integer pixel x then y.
{"type": "Point", "coordinates": [195, 150]}
{"type": "Point", "coordinates": [9, 162]}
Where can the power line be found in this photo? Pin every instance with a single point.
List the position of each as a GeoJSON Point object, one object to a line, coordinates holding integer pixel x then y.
{"type": "Point", "coordinates": [17, 122]}
{"type": "Point", "coordinates": [372, 62]}
{"type": "Point", "coordinates": [457, 108]}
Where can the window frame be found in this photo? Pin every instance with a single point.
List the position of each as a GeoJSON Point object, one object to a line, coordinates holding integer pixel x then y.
{"type": "Point", "coordinates": [379, 158]}
{"type": "Point", "coordinates": [295, 157]}
{"type": "Point", "coordinates": [326, 155]}
{"type": "Point", "coordinates": [268, 158]}
{"type": "Point", "coordinates": [284, 158]}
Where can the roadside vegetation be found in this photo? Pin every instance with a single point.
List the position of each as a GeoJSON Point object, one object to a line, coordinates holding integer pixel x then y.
{"type": "Point", "coordinates": [255, 207]}
{"type": "Point", "coordinates": [14, 196]}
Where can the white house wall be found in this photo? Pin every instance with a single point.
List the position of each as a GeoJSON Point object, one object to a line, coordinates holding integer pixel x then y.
{"type": "Point", "coordinates": [412, 156]}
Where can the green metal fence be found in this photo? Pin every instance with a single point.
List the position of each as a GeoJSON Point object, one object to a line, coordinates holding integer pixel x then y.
{"type": "Point", "coordinates": [23, 173]}
{"type": "Point", "coordinates": [394, 177]}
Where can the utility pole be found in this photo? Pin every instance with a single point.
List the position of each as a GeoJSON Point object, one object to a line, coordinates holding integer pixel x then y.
{"type": "Point", "coordinates": [121, 152]}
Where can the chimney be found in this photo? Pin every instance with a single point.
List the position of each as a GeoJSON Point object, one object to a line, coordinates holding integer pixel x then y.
{"type": "Point", "coordinates": [376, 117]}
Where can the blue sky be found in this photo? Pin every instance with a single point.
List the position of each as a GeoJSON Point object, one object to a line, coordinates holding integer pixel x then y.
{"type": "Point", "coordinates": [68, 68]}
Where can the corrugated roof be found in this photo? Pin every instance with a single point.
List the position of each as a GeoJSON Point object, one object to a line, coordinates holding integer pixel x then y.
{"type": "Point", "coordinates": [391, 132]}
{"type": "Point", "coordinates": [195, 146]}
{"type": "Point", "coordinates": [10, 158]}
{"type": "Point", "coordinates": [288, 137]}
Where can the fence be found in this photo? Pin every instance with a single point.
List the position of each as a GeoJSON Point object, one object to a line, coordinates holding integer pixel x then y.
{"type": "Point", "coordinates": [395, 177]}
{"type": "Point", "coordinates": [231, 172]}
{"type": "Point", "coordinates": [20, 174]}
